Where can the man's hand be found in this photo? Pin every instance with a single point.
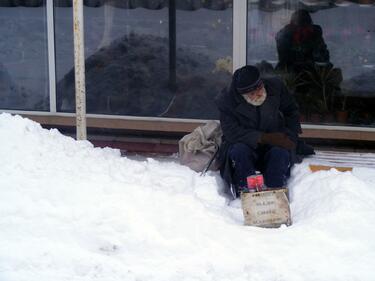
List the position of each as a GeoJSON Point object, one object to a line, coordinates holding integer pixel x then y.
{"type": "Point", "coordinates": [277, 139]}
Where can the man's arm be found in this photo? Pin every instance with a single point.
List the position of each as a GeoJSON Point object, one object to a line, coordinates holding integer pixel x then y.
{"type": "Point", "coordinates": [235, 133]}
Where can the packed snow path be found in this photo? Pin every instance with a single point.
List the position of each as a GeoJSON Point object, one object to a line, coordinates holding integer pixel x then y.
{"type": "Point", "coordinates": [69, 211]}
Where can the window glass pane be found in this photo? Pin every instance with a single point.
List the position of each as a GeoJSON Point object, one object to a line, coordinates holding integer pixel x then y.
{"type": "Point", "coordinates": [148, 59]}
{"type": "Point", "coordinates": [23, 56]}
{"type": "Point", "coordinates": [324, 51]}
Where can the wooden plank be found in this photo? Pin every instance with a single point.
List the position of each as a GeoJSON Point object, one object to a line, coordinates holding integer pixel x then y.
{"type": "Point", "coordinates": [316, 168]}
{"type": "Point", "coordinates": [338, 134]}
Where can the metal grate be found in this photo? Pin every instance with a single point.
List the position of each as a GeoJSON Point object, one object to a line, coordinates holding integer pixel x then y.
{"type": "Point", "coordinates": [342, 159]}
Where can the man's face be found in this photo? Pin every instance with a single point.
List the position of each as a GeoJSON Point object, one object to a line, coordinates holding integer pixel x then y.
{"type": "Point", "coordinates": [257, 96]}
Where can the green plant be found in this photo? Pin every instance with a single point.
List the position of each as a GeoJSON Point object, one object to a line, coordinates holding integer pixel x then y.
{"type": "Point", "coordinates": [324, 82]}
{"type": "Point", "coordinates": [344, 97]}
{"type": "Point", "coordinates": [291, 80]}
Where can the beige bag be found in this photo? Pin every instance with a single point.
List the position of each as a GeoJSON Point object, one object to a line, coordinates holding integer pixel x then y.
{"type": "Point", "coordinates": [200, 146]}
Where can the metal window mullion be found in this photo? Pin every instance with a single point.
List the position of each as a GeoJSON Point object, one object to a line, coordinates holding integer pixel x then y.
{"type": "Point", "coordinates": [51, 56]}
{"type": "Point", "coordinates": [239, 33]}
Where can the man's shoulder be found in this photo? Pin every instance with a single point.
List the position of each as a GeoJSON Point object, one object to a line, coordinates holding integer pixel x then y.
{"type": "Point", "coordinates": [225, 99]}
{"type": "Point", "coordinates": [275, 86]}
{"type": "Point", "coordinates": [221, 96]}
{"type": "Point", "coordinates": [273, 82]}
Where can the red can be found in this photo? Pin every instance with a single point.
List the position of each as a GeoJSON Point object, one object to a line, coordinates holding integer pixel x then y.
{"type": "Point", "coordinates": [252, 182]}
{"type": "Point", "coordinates": [255, 182]}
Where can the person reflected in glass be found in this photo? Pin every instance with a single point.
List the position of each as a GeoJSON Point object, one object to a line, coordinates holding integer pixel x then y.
{"type": "Point", "coordinates": [300, 43]}
{"type": "Point", "coordinates": [305, 59]}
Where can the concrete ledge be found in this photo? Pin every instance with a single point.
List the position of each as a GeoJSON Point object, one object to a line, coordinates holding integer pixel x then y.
{"type": "Point", "coordinates": [184, 126]}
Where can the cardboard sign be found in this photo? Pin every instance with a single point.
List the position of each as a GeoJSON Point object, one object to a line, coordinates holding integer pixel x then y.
{"type": "Point", "coordinates": [267, 208]}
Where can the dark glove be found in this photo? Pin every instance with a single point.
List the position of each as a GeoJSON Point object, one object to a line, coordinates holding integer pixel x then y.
{"type": "Point", "coordinates": [277, 139]}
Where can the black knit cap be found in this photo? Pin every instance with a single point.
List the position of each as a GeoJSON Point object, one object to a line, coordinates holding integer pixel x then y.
{"type": "Point", "coordinates": [247, 79]}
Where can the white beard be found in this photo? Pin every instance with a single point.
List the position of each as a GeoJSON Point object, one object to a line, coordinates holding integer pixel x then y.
{"type": "Point", "coordinates": [258, 100]}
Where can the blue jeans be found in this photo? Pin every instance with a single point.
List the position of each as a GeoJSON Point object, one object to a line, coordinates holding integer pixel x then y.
{"type": "Point", "coordinates": [272, 161]}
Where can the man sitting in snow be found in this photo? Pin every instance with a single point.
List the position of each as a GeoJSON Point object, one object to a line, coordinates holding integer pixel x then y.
{"type": "Point", "coordinates": [260, 123]}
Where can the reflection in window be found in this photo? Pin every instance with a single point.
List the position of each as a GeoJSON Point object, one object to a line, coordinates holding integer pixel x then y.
{"type": "Point", "coordinates": [148, 59]}
{"type": "Point", "coordinates": [23, 56]}
{"type": "Point", "coordinates": [324, 52]}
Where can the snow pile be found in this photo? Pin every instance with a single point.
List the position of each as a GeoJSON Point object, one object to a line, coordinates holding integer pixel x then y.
{"type": "Point", "coordinates": [70, 211]}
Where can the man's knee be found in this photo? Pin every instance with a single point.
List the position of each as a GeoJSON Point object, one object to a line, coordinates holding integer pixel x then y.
{"type": "Point", "coordinates": [278, 167]}
{"type": "Point", "coordinates": [240, 151]}
{"type": "Point", "coordinates": [279, 154]}
{"type": "Point", "coordinates": [242, 162]}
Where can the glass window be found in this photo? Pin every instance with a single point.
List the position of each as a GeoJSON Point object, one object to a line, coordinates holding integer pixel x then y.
{"type": "Point", "coordinates": [323, 50]}
{"type": "Point", "coordinates": [24, 56]}
{"type": "Point", "coordinates": [144, 58]}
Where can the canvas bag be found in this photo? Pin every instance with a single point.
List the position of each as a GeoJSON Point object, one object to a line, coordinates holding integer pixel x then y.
{"type": "Point", "coordinates": [200, 146]}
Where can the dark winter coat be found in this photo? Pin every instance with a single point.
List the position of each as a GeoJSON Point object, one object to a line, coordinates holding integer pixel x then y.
{"type": "Point", "coordinates": [242, 122]}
